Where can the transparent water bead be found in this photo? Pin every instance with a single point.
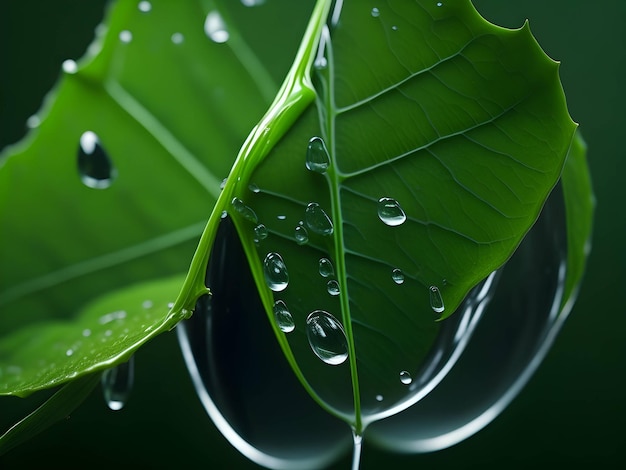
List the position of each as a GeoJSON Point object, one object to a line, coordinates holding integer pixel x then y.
{"type": "Point", "coordinates": [405, 377]}
{"type": "Point", "coordinates": [69, 66]}
{"type": "Point", "coordinates": [215, 28]}
{"type": "Point", "coordinates": [379, 398]}
{"type": "Point", "coordinates": [375, 12]}
{"type": "Point", "coordinates": [390, 212]}
{"type": "Point", "coordinates": [326, 267]}
{"type": "Point", "coordinates": [317, 157]}
{"type": "Point", "coordinates": [178, 38]}
{"type": "Point", "coordinates": [94, 165]}
{"type": "Point", "coordinates": [327, 337]}
{"type": "Point", "coordinates": [275, 272]}
{"type": "Point", "coordinates": [260, 232]}
{"type": "Point", "coordinates": [436, 300]}
{"type": "Point", "coordinates": [301, 235]}
{"type": "Point", "coordinates": [117, 384]}
{"type": "Point", "coordinates": [144, 6]}
{"type": "Point", "coordinates": [126, 36]}
{"type": "Point", "coordinates": [283, 317]}
{"type": "Point", "coordinates": [245, 211]}
{"type": "Point", "coordinates": [398, 276]}
{"type": "Point", "coordinates": [317, 220]}
{"type": "Point", "coordinates": [333, 287]}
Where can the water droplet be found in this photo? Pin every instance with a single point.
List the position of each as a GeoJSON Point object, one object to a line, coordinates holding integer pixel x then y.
{"type": "Point", "coordinates": [275, 271]}
{"type": "Point", "coordinates": [317, 220]}
{"type": "Point", "coordinates": [281, 217]}
{"type": "Point", "coordinates": [126, 36]}
{"type": "Point", "coordinates": [252, 3]}
{"type": "Point", "coordinates": [326, 267]}
{"type": "Point", "coordinates": [317, 157]}
{"type": "Point", "coordinates": [117, 384]}
{"type": "Point", "coordinates": [178, 38]}
{"type": "Point", "coordinates": [333, 287]}
{"type": "Point", "coordinates": [147, 304]}
{"type": "Point", "coordinates": [33, 121]}
{"type": "Point", "coordinates": [390, 212]}
{"type": "Point", "coordinates": [94, 165]}
{"type": "Point", "coordinates": [215, 28]}
{"type": "Point", "coordinates": [170, 305]}
{"type": "Point", "coordinates": [436, 300]}
{"type": "Point", "coordinates": [144, 6]}
{"type": "Point", "coordinates": [223, 183]}
{"type": "Point", "coordinates": [397, 275]}
{"type": "Point", "coordinates": [375, 12]}
{"type": "Point", "coordinates": [379, 398]}
{"type": "Point", "coordinates": [301, 235]}
{"type": "Point", "coordinates": [244, 210]}
{"type": "Point", "coordinates": [394, 28]}
{"type": "Point", "coordinates": [254, 188]}
{"type": "Point", "coordinates": [260, 232]}
{"type": "Point", "coordinates": [109, 317]}
{"type": "Point", "coordinates": [69, 352]}
{"type": "Point", "coordinates": [405, 377]}
{"type": "Point", "coordinates": [327, 337]}
{"type": "Point", "coordinates": [86, 332]}
{"type": "Point", "coordinates": [69, 66]}
{"type": "Point", "coordinates": [439, 4]}
{"type": "Point", "coordinates": [283, 317]}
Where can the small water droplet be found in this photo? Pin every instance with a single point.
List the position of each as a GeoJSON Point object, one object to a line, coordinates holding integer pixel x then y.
{"type": "Point", "coordinates": [375, 12]}
{"type": "Point", "coordinates": [260, 232]}
{"type": "Point", "coordinates": [394, 28]}
{"type": "Point", "coordinates": [275, 271]}
{"type": "Point", "coordinates": [33, 121]}
{"type": "Point", "coordinates": [398, 276]}
{"type": "Point", "coordinates": [283, 317]}
{"type": "Point", "coordinates": [244, 210]}
{"type": "Point", "coordinates": [327, 337]}
{"type": "Point", "coordinates": [86, 332]}
{"type": "Point", "coordinates": [317, 220]}
{"type": "Point", "coordinates": [390, 212]}
{"type": "Point", "coordinates": [94, 165]}
{"type": "Point", "coordinates": [215, 28]}
{"type": "Point", "coordinates": [178, 38]}
{"type": "Point", "coordinates": [126, 36]}
{"type": "Point", "coordinates": [252, 3]}
{"type": "Point", "coordinates": [223, 183]}
{"type": "Point", "coordinates": [405, 377]}
{"type": "Point", "coordinates": [436, 300]}
{"type": "Point", "coordinates": [439, 4]}
{"type": "Point", "coordinates": [301, 235]}
{"type": "Point", "coordinates": [281, 217]}
{"type": "Point", "coordinates": [69, 66]}
{"type": "Point", "coordinates": [254, 188]}
{"type": "Point", "coordinates": [109, 317]}
{"type": "Point", "coordinates": [144, 6]}
{"type": "Point", "coordinates": [117, 384]}
{"type": "Point", "coordinates": [379, 398]}
{"type": "Point", "coordinates": [326, 267]}
{"type": "Point", "coordinates": [69, 352]}
{"type": "Point", "coordinates": [333, 287]}
{"type": "Point", "coordinates": [317, 157]}
{"type": "Point", "coordinates": [147, 304]}
{"type": "Point", "coordinates": [170, 305]}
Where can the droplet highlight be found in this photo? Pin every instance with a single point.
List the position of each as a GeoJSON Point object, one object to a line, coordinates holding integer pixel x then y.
{"type": "Point", "coordinates": [405, 377]}
{"type": "Point", "coordinates": [333, 287]}
{"type": "Point", "coordinates": [436, 300]}
{"type": "Point", "coordinates": [398, 276]}
{"type": "Point", "coordinates": [317, 157]}
{"type": "Point", "coordinates": [245, 211]}
{"type": "Point", "coordinates": [215, 28]}
{"type": "Point", "coordinates": [94, 165]}
{"type": "Point", "coordinates": [390, 212]}
{"type": "Point", "coordinates": [283, 317]}
{"type": "Point", "coordinates": [317, 220]}
{"type": "Point", "coordinates": [326, 267]}
{"type": "Point", "coordinates": [117, 384]}
{"type": "Point", "coordinates": [301, 235]}
{"type": "Point", "coordinates": [327, 337]}
{"type": "Point", "coordinates": [275, 272]}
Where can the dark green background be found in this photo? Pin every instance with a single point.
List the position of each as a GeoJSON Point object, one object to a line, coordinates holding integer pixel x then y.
{"type": "Point", "coordinates": [571, 412]}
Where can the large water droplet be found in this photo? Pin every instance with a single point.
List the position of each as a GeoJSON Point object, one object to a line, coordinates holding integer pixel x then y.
{"type": "Point", "coordinates": [317, 157]}
{"type": "Point", "coordinates": [69, 66]}
{"type": "Point", "coordinates": [260, 232]}
{"type": "Point", "coordinates": [144, 6]}
{"type": "Point", "coordinates": [390, 212]}
{"type": "Point", "coordinates": [333, 287]}
{"type": "Point", "coordinates": [245, 211]}
{"type": "Point", "coordinates": [397, 275]}
{"type": "Point", "coordinates": [405, 377]}
{"type": "Point", "coordinates": [327, 337]}
{"type": "Point", "coordinates": [117, 384]}
{"type": "Point", "coordinates": [275, 271]}
{"type": "Point", "coordinates": [326, 267]}
{"type": "Point", "coordinates": [94, 165]}
{"type": "Point", "coordinates": [283, 317]}
{"type": "Point", "coordinates": [436, 300]}
{"type": "Point", "coordinates": [215, 28]}
{"type": "Point", "coordinates": [317, 220]}
{"type": "Point", "coordinates": [301, 235]}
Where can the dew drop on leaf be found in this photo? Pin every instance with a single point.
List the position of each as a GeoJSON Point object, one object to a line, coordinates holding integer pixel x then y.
{"type": "Point", "coordinates": [69, 66]}
{"type": "Point", "coordinates": [245, 211]}
{"type": "Point", "coordinates": [283, 317]}
{"type": "Point", "coordinates": [327, 337]}
{"type": "Point", "coordinates": [379, 398]}
{"type": "Point", "coordinates": [215, 28]}
{"type": "Point", "coordinates": [260, 232]}
{"type": "Point", "coordinates": [317, 157]}
{"type": "Point", "coordinates": [252, 3]}
{"type": "Point", "coordinates": [301, 235]}
{"type": "Point", "coordinates": [275, 272]}
{"type": "Point", "coordinates": [405, 377]}
{"type": "Point", "coordinates": [326, 267]}
{"type": "Point", "coordinates": [375, 12]}
{"type": "Point", "coordinates": [333, 287]}
{"type": "Point", "coordinates": [144, 6]}
{"type": "Point", "coordinates": [33, 121]}
{"type": "Point", "coordinates": [254, 188]}
{"type": "Point", "coordinates": [117, 384]}
{"type": "Point", "coordinates": [317, 220]}
{"type": "Point", "coordinates": [390, 212]}
{"type": "Point", "coordinates": [178, 38]}
{"type": "Point", "coordinates": [398, 276]}
{"type": "Point", "coordinates": [126, 36]}
{"type": "Point", "coordinates": [436, 300]}
{"type": "Point", "coordinates": [94, 165]}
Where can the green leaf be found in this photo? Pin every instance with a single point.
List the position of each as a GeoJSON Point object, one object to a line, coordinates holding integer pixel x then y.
{"type": "Point", "coordinates": [425, 107]}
